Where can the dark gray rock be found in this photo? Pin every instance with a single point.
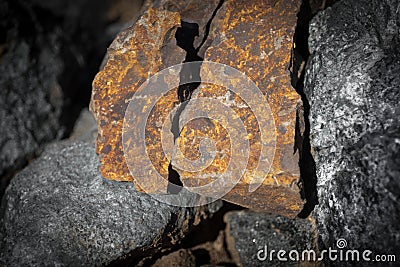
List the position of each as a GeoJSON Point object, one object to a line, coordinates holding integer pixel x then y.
{"type": "Point", "coordinates": [353, 86]}
{"type": "Point", "coordinates": [249, 232]}
{"type": "Point", "coordinates": [49, 54]}
{"type": "Point", "coordinates": [31, 97]}
{"type": "Point", "coordinates": [60, 211]}
{"type": "Point", "coordinates": [35, 53]}
{"type": "Point", "coordinates": [85, 128]}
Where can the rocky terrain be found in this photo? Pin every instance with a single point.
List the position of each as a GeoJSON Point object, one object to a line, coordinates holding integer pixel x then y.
{"type": "Point", "coordinates": [329, 70]}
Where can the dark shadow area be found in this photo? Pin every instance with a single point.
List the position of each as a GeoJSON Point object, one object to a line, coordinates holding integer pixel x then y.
{"type": "Point", "coordinates": [189, 81]}
{"type": "Point", "coordinates": [56, 49]}
{"type": "Point", "coordinates": [300, 57]}
{"type": "Point", "coordinates": [207, 231]}
{"type": "Point", "coordinates": [185, 36]}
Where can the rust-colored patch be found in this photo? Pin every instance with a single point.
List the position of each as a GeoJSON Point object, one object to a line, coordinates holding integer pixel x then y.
{"type": "Point", "coordinates": [133, 57]}
{"type": "Point", "coordinates": [255, 37]}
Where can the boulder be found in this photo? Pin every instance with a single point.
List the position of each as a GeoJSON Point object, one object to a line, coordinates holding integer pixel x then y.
{"type": "Point", "coordinates": [61, 211]}
{"type": "Point", "coordinates": [352, 84]}
{"type": "Point", "coordinates": [169, 33]}
{"type": "Point", "coordinates": [256, 38]}
{"type": "Point", "coordinates": [252, 237]}
{"type": "Point", "coordinates": [49, 54]}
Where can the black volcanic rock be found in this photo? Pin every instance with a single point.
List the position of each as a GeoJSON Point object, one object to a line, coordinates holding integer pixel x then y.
{"type": "Point", "coordinates": [31, 97]}
{"type": "Point", "coordinates": [49, 54]}
{"type": "Point", "coordinates": [61, 211]}
{"type": "Point", "coordinates": [353, 86]}
{"type": "Point", "coordinates": [250, 233]}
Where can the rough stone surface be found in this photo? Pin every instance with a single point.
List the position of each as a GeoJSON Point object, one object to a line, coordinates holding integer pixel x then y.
{"type": "Point", "coordinates": [31, 98]}
{"type": "Point", "coordinates": [132, 58]}
{"type": "Point", "coordinates": [180, 258]}
{"type": "Point", "coordinates": [85, 128]}
{"type": "Point", "coordinates": [249, 232]}
{"type": "Point", "coordinates": [49, 53]}
{"type": "Point", "coordinates": [137, 53]}
{"type": "Point", "coordinates": [61, 211]}
{"type": "Point", "coordinates": [263, 53]}
{"type": "Point", "coordinates": [256, 38]}
{"type": "Point", "coordinates": [352, 83]}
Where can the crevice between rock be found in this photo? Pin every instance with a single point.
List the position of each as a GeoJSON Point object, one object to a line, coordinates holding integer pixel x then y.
{"type": "Point", "coordinates": [185, 38]}
{"type": "Point", "coordinates": [300, 55]}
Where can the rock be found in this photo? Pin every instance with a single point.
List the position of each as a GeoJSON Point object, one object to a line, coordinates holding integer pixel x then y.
{"type": "Point", "coordinates": [49, 53]}
{"type": "Point", "coordinates": [180, 258]}
{"type": "Point", "coordinates": [352, 84]}
{"type": "Point", "coordinates": [61, 211]}
{"type": "Point", "coordinates": [138, 52]}
{"type": "Point", "coordinates": [256, 38]}
{"type": "Point", "coordinates": [265, 59]}
{"type": "Point", "coordinates": [130, 63]}
{"type": "Point", "coordinates": [249, 232]}
{"type": "Point", "coordinates": [85, 128]}
{"type": "Point", "coordinates": [31, 99]}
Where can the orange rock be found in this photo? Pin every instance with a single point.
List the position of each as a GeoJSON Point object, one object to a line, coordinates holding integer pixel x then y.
{"type": "Point", "coordinates": [255, 37]}
{"type": "Point", "coordinates": [136, 54]}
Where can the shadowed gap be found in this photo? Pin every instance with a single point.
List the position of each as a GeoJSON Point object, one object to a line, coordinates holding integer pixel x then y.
{"type": "Point", "coordinates": [185, 36]}
{"type": "Point", "coordinates": [308, 176]}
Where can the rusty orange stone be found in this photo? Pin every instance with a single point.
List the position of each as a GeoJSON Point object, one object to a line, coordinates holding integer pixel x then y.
{"type": "Point", "coordinates": [136, 54]}
{"type": "Point", "coordinates": [255, 37]}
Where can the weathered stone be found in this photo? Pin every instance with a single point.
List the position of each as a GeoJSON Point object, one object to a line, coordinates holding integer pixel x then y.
{"type": "Point", "coordinates": [137, 53]}
{"type": "Point", "coordinates": [85, 128]}
{"type": "Point", "coordinates": [256, 38]}
{"type": "Point", "coordinates": [180, 258]}
{"type": "Point", "coordinates": [61, 211]}
{"type": "Point", "coordinates": [49, 54]}
{"type": "Point", "coordinates": [31, 96]}
{"type": "Point", "coordinates": [199, 12]}
{"type": "Point", "coordinates": [249, 232]}
{"type": "Point", "coordinates": [352, 83]}
{"type": "Point", "coordinates": [262, 52]}
{"type": "Point", "coordinates": [133, 56]}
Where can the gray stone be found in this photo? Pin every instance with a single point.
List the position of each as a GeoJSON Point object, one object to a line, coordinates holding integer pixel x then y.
{"type": "Point", "coordinates": [61, 211]}
{"type": "Point", "coordinates": [49, 54]}
{"type": "Point", "coordinates": [85, 128]}
{"type": "Point", "coordinates": [353, 86]}
{"type": "Point", "coordinates": [249, 232]}
{"type": "Point", "coordinates": [31, 97]}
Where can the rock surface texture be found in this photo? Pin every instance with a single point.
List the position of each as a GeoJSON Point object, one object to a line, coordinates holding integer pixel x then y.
{"type": "Point", "coordinates": [169, 33]}
{"type": "Point", "coordinates": [31, 96]}
{"type": "Point", "coordinates": [256, 38]}
{"type": "Point", "coordinates": [61, 211]}
{"type": "Point", "coordinates": [137, 53]}
{"type": "Point", "coordinates": [352, 83]}
{"type": "Point", "coordinates": [249, 232]}
{"type": "Point", "coordinates": [49, 53]}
